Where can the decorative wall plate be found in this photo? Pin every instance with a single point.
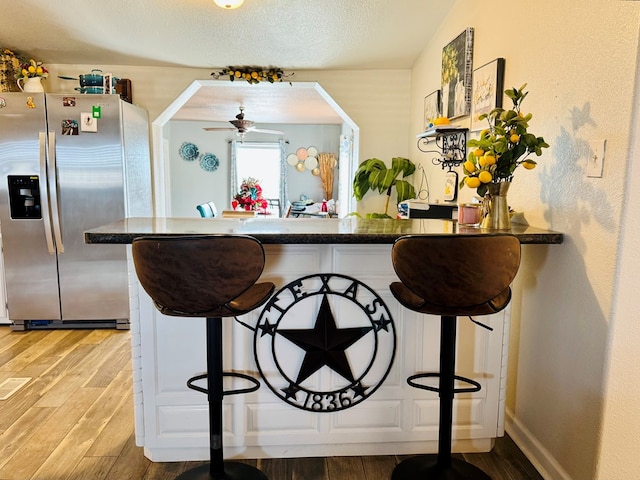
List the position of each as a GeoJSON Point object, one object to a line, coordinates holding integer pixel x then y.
{"type": "Point", "coordinates": [312, 151]}
{"type": "Point", "coordinates": [310, 163]}
{"type": "Point", "coordinates": [209, 162]}
{"type": "Point", "coordinates": [189, 151]}
{"type": "Point", "coordinates": [292, 159]}
{"type": "Point", "coordinates": [302, 153]}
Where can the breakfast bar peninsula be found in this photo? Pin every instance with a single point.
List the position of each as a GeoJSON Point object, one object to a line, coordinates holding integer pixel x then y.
{"type": "Point", "coordinates": [332, 281]}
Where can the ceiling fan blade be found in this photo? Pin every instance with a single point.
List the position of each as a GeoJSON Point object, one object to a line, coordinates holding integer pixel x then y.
{"type": "Point", "coordinates": [262, 130]}
{"type": "Point", "coordinates": [243, 126]}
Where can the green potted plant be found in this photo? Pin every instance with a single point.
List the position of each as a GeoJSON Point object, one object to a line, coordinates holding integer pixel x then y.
{"type": "Point", "coordinates": [373, 174]}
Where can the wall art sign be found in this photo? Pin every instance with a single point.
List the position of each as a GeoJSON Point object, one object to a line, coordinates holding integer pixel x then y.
{"type": "Point", "coordinates": [432, 108]}
{"type": "Point", "coordinates": [457, 71]}
{"type": "Point", "coordinates": [488, 90]}
{"type": "Point", "coordinates": [324, 329]}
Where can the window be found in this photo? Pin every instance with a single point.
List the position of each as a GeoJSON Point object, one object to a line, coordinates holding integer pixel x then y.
{"type": "Point", "coordinates": [263, 161]}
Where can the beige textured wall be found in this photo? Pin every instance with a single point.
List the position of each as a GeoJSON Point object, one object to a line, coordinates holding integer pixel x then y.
{"type": "Point", "coordinates": [621, 422]}
{"type": "Point", "coordinates": [579, 59]}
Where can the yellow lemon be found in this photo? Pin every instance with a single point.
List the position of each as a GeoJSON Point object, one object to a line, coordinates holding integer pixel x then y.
{"type": "Point", "coordinates": [489, 160]}
{"type": "Point", "coordinates": [484, 133]}
{"type": "Point", "coordinates": [514, 138]}
{"type": "Point", "coordinates": [24, 72]}
{"type": "Point", "coordinates": [39, 70]}
{"type": "Point", "coordinates": [472, 182]}
{"type": "Point", "coordinates": [485, 176]}
{"type": "Point", "coordinates": [469, 166]}
{"type": "Point", "coordinates": [529, 164]}
{"type": "Point", "coordinates": [238, 73]}
{"type": "Point", "coordinates": [441, 121]}
{"type": "Point", "coordinates": [31, 69]}
{"type": "Point", "coordinates": [478, 152]}
{"type": "Point", "coordinates": [254, 74]}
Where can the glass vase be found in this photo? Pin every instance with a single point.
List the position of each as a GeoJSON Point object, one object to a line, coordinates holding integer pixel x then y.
{"type": "Point", "coordinates": [496, 207]}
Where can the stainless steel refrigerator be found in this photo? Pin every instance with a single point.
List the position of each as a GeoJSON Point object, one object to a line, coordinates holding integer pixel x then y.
{"type": "Point", "coordinates": [69, 163]}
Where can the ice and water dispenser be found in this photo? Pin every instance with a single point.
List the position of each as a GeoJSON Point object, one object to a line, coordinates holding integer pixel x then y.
{"type": "Point", "coordinates": [24, 196]}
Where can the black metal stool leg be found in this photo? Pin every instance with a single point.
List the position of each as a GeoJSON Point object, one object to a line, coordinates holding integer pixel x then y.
{"type": "Point", "coordinates": [214, 367]}
{"type": "Point", "coordinates": [447, 372]}
{"type": "Point", "coordinates": [218, 469]}
{"type": "Point", "coordinates": [442, 466]}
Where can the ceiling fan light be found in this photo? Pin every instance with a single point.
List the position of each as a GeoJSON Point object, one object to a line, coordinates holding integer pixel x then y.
{"type": "Point", "coordinates": [228, 4]}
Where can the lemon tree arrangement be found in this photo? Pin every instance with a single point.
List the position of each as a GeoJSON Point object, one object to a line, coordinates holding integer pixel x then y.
{"type": "Point", "coordinates": [503, 147]}
{"type": "Point", "coordinates": [373, 174]}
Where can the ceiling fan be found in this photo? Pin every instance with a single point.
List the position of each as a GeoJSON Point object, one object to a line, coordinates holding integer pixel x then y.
{"type": "Point", "coordinates": [243, 126]}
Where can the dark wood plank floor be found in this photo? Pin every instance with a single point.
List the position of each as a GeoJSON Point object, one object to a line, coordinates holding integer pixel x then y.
{"type": "Point", "coordinates": [74, 420]}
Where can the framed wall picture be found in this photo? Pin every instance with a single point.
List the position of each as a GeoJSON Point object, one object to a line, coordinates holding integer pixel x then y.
{"type": "Point", "coordinates": [432, 108]}
{"type": "Point", "coordinates": [488, 90]}
{"type": "Point", "coordinates": [457, 72]}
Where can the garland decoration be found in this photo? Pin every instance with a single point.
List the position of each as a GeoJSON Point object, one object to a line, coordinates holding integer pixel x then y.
{"type": "Point", "coordinates": [253, 75]}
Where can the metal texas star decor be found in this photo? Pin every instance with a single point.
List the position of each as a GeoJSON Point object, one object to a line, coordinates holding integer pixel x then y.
{"type": "Point", "coordinates": [341, 354]}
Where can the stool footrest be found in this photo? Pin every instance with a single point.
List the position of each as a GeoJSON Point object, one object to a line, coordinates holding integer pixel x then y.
{"type": "Point", "coordinates": [475, 386]}
{"type": "Point", "coordinates": [255, 383]}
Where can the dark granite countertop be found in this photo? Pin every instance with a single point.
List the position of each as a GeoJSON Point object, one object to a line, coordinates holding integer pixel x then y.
{"type": "Point", "coordinates": [351, 230]}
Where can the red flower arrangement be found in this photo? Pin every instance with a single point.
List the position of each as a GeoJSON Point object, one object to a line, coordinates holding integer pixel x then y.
{"type": "Point", "coordinates": [250, 195]}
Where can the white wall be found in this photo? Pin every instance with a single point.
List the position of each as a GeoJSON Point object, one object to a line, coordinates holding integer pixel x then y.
{"type": "Point", "coordinates": [579, 59]}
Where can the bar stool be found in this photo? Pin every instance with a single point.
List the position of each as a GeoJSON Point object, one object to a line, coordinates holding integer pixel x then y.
{"type": "Point", "coordinates": [451, 276]}
{"type": "Point", "coordinates": [213, 277]}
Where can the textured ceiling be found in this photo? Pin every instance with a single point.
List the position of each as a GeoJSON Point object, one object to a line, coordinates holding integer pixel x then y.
{"type": "Point", "coordinates": [290, 34]}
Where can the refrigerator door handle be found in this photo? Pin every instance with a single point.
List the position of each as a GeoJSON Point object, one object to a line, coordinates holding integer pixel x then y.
{"type": "Point", "coordinates": [44, 197]}
{"type": "Point", "coordinates": [53, 193]}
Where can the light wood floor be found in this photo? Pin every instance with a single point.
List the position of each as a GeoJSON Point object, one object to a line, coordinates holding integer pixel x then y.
{"type": "Point", "coordinates": [74, 419]}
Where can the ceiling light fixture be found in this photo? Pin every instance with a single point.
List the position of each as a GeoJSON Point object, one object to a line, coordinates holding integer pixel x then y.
{"type": "Point", "coordinates": [228, 4]}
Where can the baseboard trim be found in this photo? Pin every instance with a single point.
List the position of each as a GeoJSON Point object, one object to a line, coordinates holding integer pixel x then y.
{"type": "Point", "coordinates": [539, 456]}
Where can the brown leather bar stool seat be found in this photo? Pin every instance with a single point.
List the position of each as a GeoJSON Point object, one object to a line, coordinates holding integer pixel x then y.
{"type": "Point", "coordinates": [451, 276]}
{"type": "Point", "coordinates": [213, 277]}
